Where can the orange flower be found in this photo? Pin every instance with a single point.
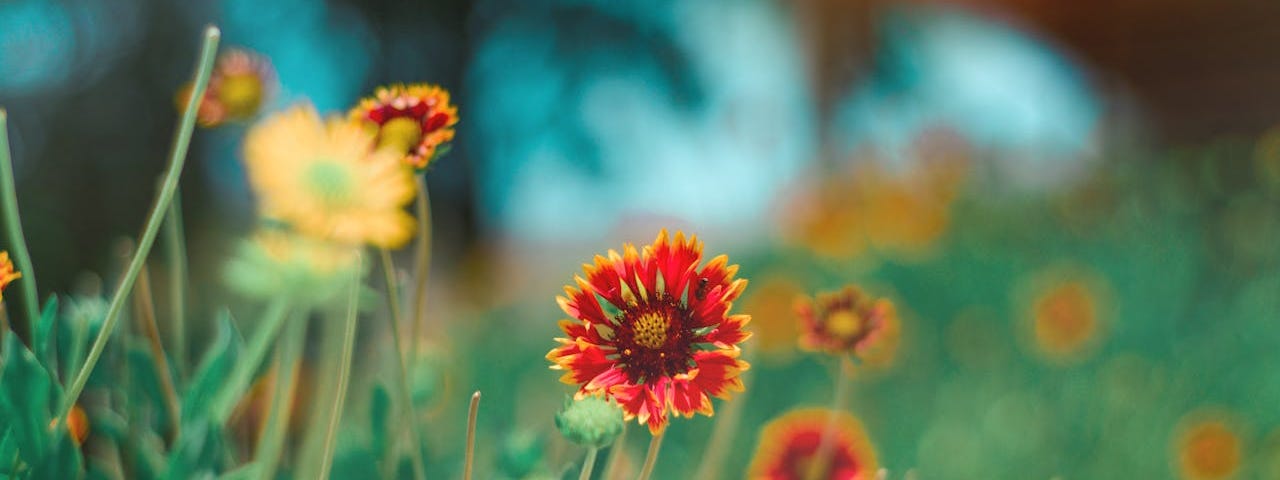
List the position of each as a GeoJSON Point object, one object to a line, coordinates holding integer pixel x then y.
{"type": "Point", "coordinates": [789, 445]}
{"type": "Point", "coordinates": [1208, 449]}
{"type": "Point", "coordinates": [1066, 313]}
{"type": "Point", "coordinates": [239, 85]}
{"type": "Point", "coordinates": [847, 321]}
{"type": "Point", "coordinates": [663, 340]}
{"type": "Point", "coordinates": [7, 272]}
{"type": "Point", "coordinates": [417, 119]}
{"type": "Point", "coordinates": [77, 425]}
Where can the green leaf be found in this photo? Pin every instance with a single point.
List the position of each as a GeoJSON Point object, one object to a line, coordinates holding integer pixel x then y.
{"type": "Point", "coordinates": [245, 472]}
{"type": "Point", "coordinates": [46, 335]}
{"type": "Point", "coordinates": [25, 400]}
{"type": "Point", "coordinates": [214, 368]}
{"type": "Point", "coordinates": [62, 461]}
{"type": "Point", "coordinates": [379, 409]}
{"type": "Point", "coordinates": [197, 450]}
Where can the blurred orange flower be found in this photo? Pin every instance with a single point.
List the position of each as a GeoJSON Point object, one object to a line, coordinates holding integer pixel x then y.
{"type": "Point", "coordinates": [7, 273]}
{"type": "Point", "coordinates": [240, 84]}
{"type": "Point", "coordinates": [1208, 448]}
{"type": "Point", "coordinates": [664, 339]}
{"type": "Point", "coordinates": [1066, 313]}
{"type": "Point", "coordinates": [849, 322]}
{"type": "Point", "coordinates": [771, 303]}
{"type": "Point", "coordinates": [415, 119]}
{"type": "Point", "coordinates": [789, 444]}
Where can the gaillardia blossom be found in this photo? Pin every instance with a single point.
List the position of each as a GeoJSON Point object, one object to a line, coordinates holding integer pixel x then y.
{"type": "Point", "coordinates": [663, 339]}
{"type": "Point", "coordinates": [847, 321]}
{"type": "Point", "coordinates": [240, 83]}
{"type": "Point", "coordinates": [326, 180]}
{"type": "Point", "coordinates": [789, 447]}
{"type": "Point", "coordinates": [416, 119]}
{"type": "Point", "coordinates": [7, 273]}
{"type": "Point", "coordinates": [1207, 448]}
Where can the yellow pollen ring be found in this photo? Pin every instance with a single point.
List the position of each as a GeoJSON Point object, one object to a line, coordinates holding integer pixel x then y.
{"type": "Point", "coordinates": [844, 324]}
{"type": "Point", "coordinates": [400, 133]}
{"type": "Point", "coordinates": [651, 330]}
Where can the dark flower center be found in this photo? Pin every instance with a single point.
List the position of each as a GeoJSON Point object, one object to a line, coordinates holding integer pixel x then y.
{"type": "Point", "coordinates": [654, 339]}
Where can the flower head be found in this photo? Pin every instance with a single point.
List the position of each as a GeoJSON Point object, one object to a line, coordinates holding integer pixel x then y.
{"type": "Point", "coordinates": [7, 273]}
{"type": "Point", "coordinates": [1208, 448]}
{"type": "Point", "coordinates": [847, 321]}
{"type": "Point", "coordinates": [77, 425]}
{"type": "Point", "coordinates": [789, 447]}
{"type": "Point", "coordinates": [327, 181]}
{"type": "Point", "coordinates": [240, 84]}
{"type": "Point", "coordinates": [417, 120]}
{"type": "Point", "coordinates": [590, 421]}
{"type": "Point", "coordinates": [663, 339]}
{"type": "Point", "coordinates": [275, 263]}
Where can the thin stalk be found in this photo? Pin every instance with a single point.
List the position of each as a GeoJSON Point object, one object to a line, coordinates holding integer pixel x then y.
{"type": "Point", "coordinates": [722, 436]}
{"type": "Point", "coordinates": [826, 445]}
{"type": "Point", "coordinates": [472, 413]}
{"type": "Point", "coordinates": [238, 381]}
{"type": "Point", "coordinates": [271, 444]}
{"type": "Point", "coordinates": [589, 464]}
{"type": "Point", "coordinates": [13, 225]}
{"type": "Point", "coordinates": [651, 458]}
{"type": "Point", "coordinates": [616, 452]}
{"type": "Point", "coordinates": [146, 319]}
{"type": "Point", "coordinates": [393, 294]}
{"type": "Point", "coordinates": [177, 157]}
{"type": "Point", "coordinates": [344, 373]}
{"type": "Point", "coordinates": [175, 242]}
{"type": "Point", "coordinates": [402, 390]}
{"type": "Point", "coordinates": [421, 267]}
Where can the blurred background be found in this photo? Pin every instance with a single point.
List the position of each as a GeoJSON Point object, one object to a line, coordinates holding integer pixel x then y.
{"type": "Point", "coordinates": [1075, 205]}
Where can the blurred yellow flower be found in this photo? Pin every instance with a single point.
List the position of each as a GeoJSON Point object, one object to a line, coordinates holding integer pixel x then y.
{"type": "Point", "coordinates": [416, 120]}
{"type": "Point", "coordinates": [1207, 448]}
{"type": "Point", "coordinates": [326, 179]}
{"type": "Point", "coordinates": [849, 322]}
{"type": "Point", "coordinates": [7, 272]}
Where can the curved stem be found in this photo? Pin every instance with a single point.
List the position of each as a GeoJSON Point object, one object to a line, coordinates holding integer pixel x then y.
{"type": "Point", "coordinates": [826, 445]}
{"type": "Point", "coordinates": [271, 443]}
{"type": "Point", "coordinates": [13, 226]}
{"type": "Point", "coordinates": [651, 458]}
{"type": "Point", "coordinates": [406, 399]}
{"type": "Point", "coordinates": [344, 374]}
{"type": "Point", "coordinates": [588, 464]}
{"type": "Point", "coordinates": [421, 267]}
{"type": "Point", "coordinates": [177, 157]}
{"type": "Point", "coordinates": [176, 248]}
{"type": "Point", "coordinates": [393, 296]}
{"type": "Point", "coordinates": [472, 413]}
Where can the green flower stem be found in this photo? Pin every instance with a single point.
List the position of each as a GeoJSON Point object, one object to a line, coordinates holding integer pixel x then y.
{"type": "Point", "coordinates": [344, 374]}
{"type": "Point", "coordinates": [616, 452]}
{"type": "Point", "coordinates": [406, 399]}
{"type": "Point", "coordinates": [651, 458]}
{"type": "Point", "coordinates": [177, 157]}
{"type": "Point", "coordinates": [175, 243]}
{"type": "Point", "coordinates": [589, 464]}
{"type": "Point", "coordinates": [421, 268]}
{"type": "Point", "coordinates": [271, 443]}
{"type": "Point", "coordinates": [826, 445]}
{"type": "Point", "coordinates": [722, 435]}
{"type": "Point", "coordinates": [13, 226]}
{"type": "Point", "coordinates": [238, 381]}
{"type": "Point", "coordinates": [472, 413]}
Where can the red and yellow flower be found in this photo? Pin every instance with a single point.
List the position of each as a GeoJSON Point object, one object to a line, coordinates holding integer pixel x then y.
{"type": "Point", "coordinates": [663, 339]}
{"type": "Point", "coordinates": [240, 84]}
{"type": "Point", "coordinates": [1207, 447]}
{"type": "Point", "coordinates": [416, 119]}
{"type": "Point", "coordinates": [7, 273]}
{"type": "Point", "coordinates": [848, 322]}
{"type": "Point", "coordinates": [789, 445]}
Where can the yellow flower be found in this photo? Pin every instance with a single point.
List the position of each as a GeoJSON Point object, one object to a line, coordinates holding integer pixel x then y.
{"type": "Point", "coordinates": [1066, 313]}
{"type": "Point", "coordinates": [326, 179]}
{"type": "Point", "coordinates": [7, 272]}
